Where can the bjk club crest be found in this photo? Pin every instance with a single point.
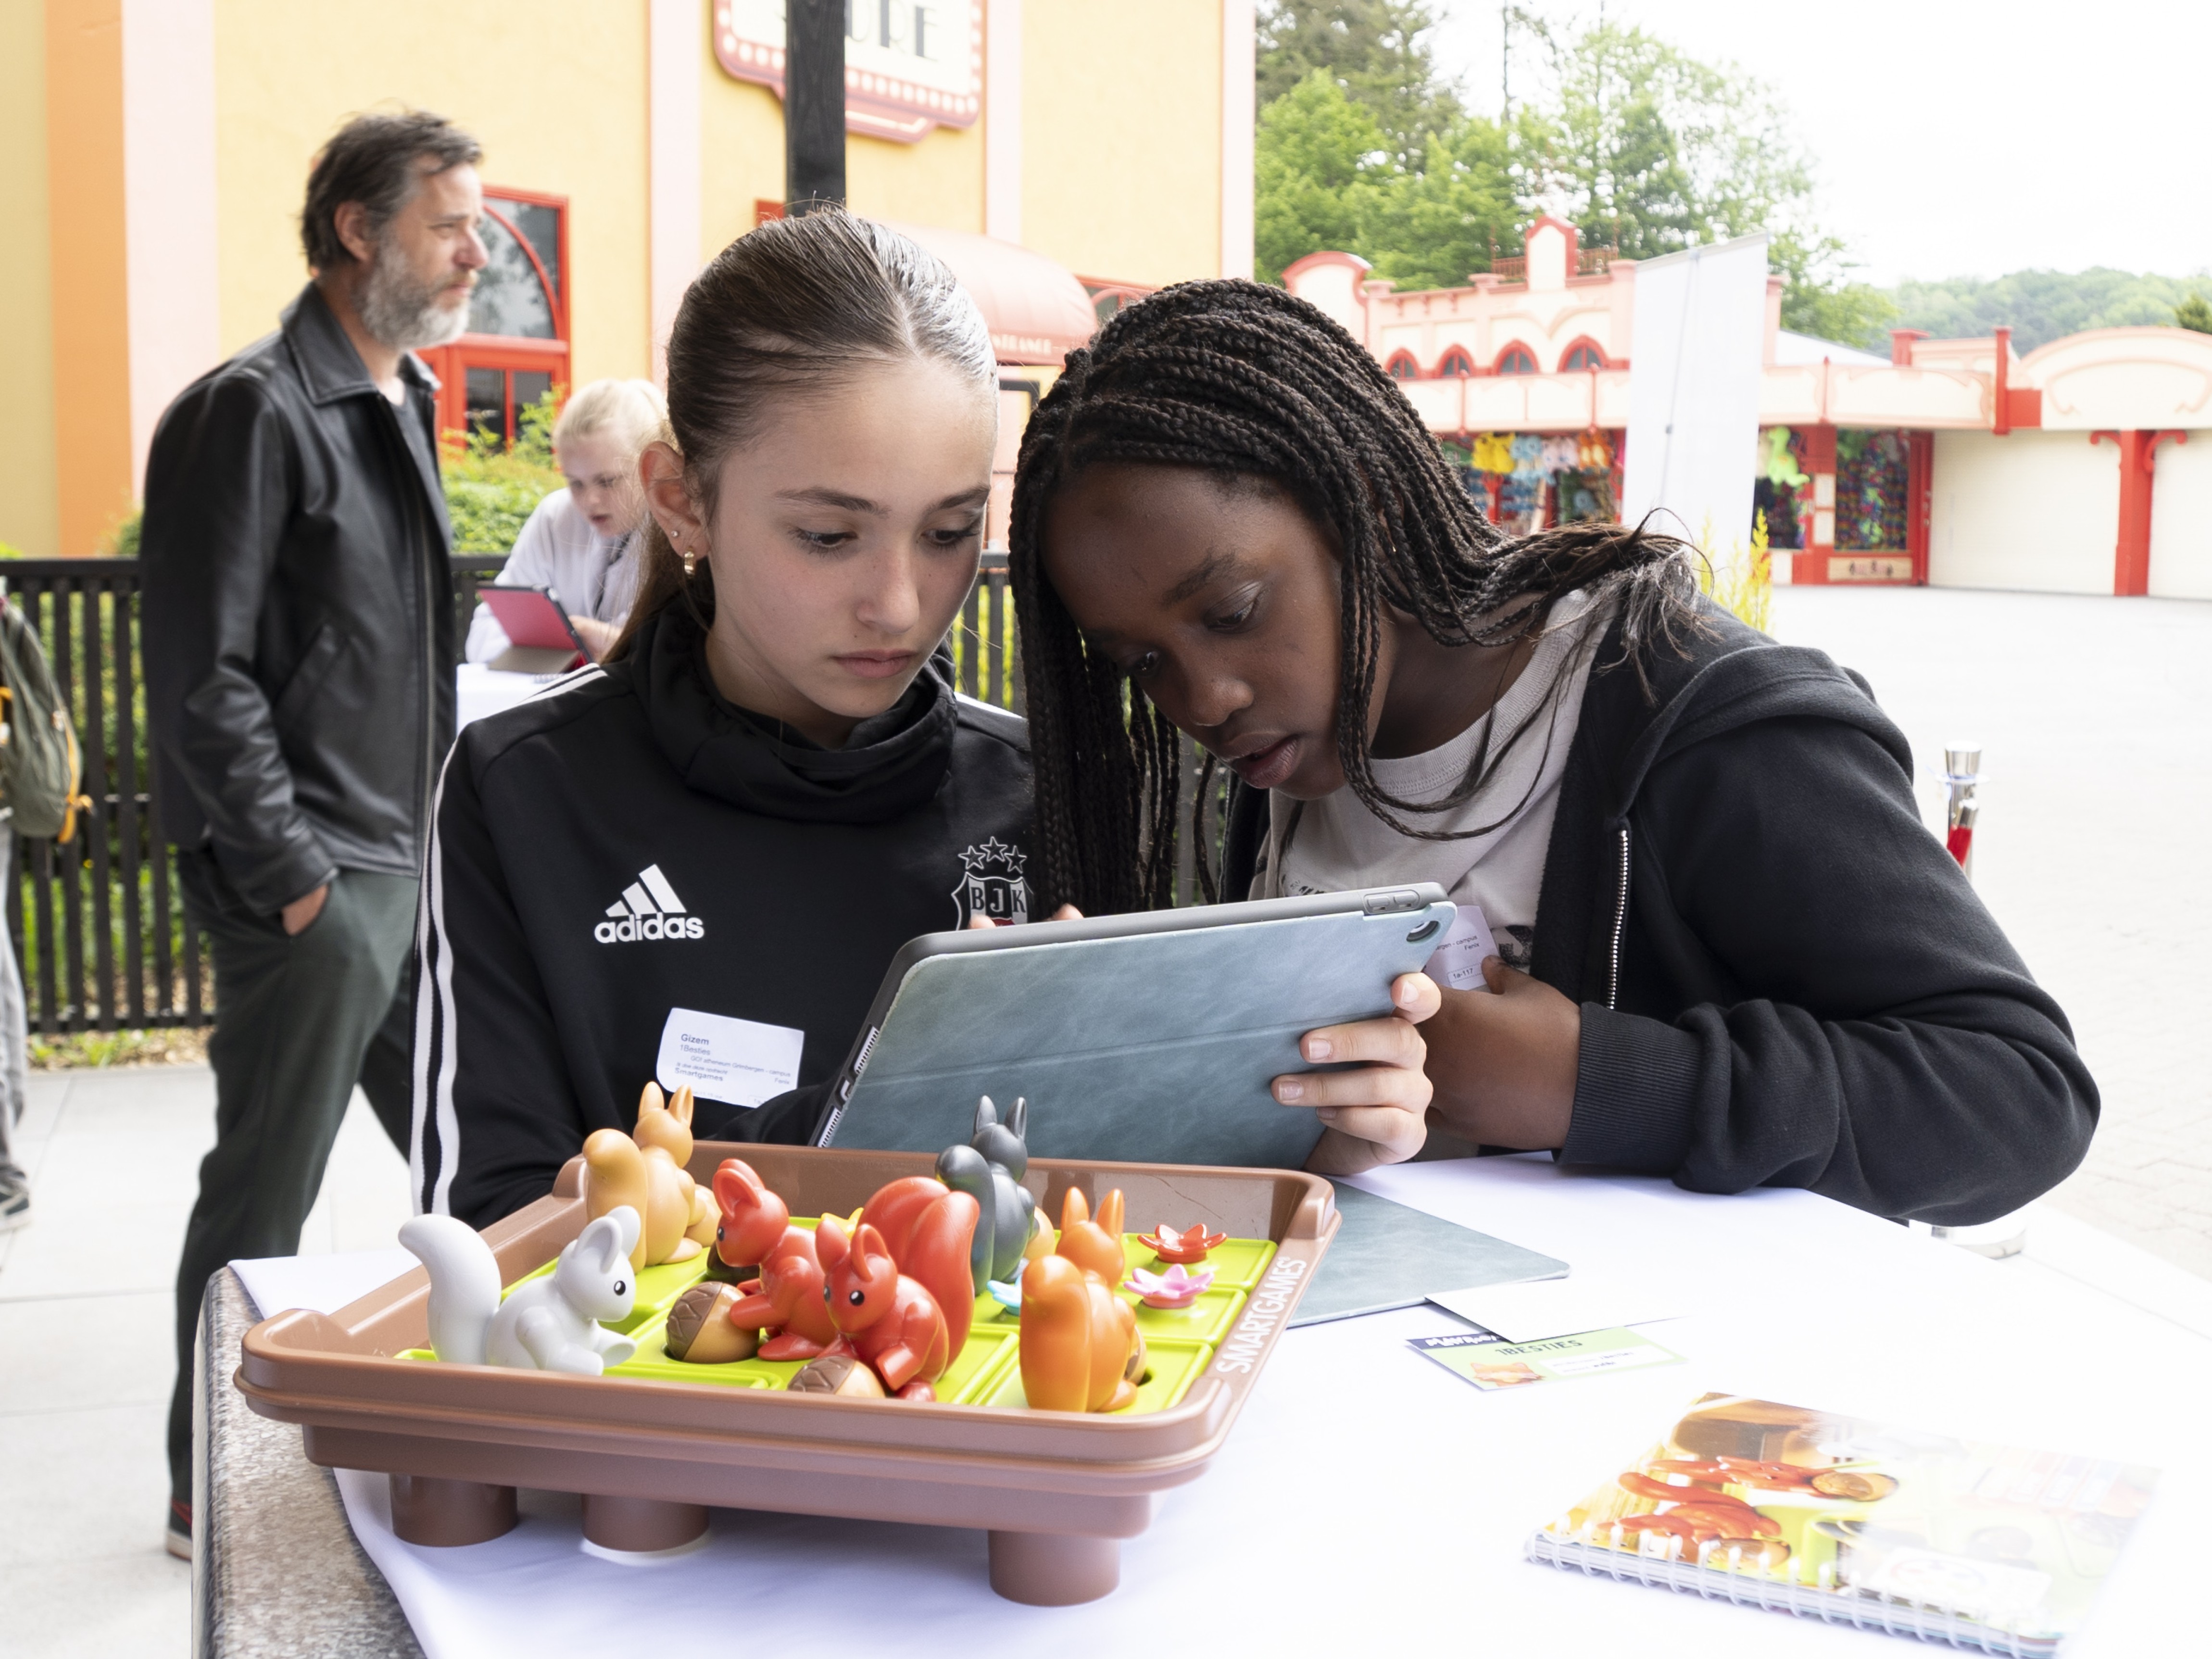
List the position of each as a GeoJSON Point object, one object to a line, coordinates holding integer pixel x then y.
{"type": "Point", "coordinates": [992, 883]}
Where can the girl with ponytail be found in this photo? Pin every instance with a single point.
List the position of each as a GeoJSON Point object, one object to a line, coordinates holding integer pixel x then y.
{"type": "Point", "coordinates": [1725, 949]}
{"type": "Point", "coordinates": [695, 862]}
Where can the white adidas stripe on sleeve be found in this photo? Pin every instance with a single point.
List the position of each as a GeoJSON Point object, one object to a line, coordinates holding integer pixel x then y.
{"type": "Point", "coordinates": [430, 950]}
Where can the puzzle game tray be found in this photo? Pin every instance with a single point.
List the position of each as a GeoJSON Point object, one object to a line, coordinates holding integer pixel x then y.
{"type": "Point", "coordinates": [655, 1442]}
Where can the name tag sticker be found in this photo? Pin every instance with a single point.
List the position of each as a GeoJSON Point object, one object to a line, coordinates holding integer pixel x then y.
{"type": "Point", "coordinates": [739, 1062]}
{"type": "Point", "coordinates": [1457, 961]}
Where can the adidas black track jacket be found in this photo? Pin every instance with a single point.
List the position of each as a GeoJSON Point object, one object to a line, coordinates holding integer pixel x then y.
{"type": "Point", "coordinates": [628, 845]}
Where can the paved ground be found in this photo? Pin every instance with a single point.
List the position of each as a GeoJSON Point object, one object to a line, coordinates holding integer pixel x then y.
{"type": "Point", "coordinates": [2093, 714]}
{"type": "Point", "coordinates": [85, 1347]}
{"type": "Point", "coordinates": [2095, 718]}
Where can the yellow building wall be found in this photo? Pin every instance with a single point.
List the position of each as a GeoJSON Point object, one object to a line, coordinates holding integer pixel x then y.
{"type": "Point", "coordinates": [1122, 138]}
{"type": "Point", "coordinates": [90, 345]}
{"type": "Point", "coordinates": [740, 151]}
{"type": "Point", "coordinates": [937, 181]}
{"type": "Point", "coordinates": [555, 91]}
{"type": "Point", "coordinates": [30, 519]}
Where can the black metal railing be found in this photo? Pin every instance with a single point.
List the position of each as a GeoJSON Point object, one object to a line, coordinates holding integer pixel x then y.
{"type": "Point", "coordinates": [98, 923]}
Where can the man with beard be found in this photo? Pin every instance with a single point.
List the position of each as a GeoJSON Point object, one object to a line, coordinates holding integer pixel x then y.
{"type": "Point", "coordinates": [299, 647]}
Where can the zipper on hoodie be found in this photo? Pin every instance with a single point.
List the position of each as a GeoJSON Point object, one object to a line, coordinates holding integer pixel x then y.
{"type": "Point", "coordinates": [1620, 922]}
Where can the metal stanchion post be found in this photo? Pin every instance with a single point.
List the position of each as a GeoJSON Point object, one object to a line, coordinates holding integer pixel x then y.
{"type": "Point", "coordinates": [1962, 780]}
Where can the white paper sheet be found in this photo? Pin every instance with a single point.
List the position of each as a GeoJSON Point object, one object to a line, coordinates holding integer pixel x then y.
{"type": "Point", "coordinates": [321, 1284]}
{"type": "Point", "coordinates": [1563, 1307]}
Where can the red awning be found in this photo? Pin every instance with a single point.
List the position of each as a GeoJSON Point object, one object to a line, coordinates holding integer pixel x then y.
{"type": "Point", "coordinates": [1037, 311]}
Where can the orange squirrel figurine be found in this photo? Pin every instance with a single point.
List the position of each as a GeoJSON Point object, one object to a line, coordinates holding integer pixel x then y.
{"type": "Point", "coordinates": [1077, 1339]}
{"type": "Point", "coordinates": [753, 1219]}
{"type": "Point", "coordinates": [1093, 1246]}
{"type": "Point", "coordinates": [888, 1320]}
{"type": "Point", "coordinates": [930, 1231]}
{"type": "Point", "coordinates": [756, 1227]}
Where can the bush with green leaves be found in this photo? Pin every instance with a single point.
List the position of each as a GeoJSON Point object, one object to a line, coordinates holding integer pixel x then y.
{"type": "Point", "coordinates": [492, 487]}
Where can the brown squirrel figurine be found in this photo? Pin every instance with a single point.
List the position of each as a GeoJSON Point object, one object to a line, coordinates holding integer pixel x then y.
{"type": "Point", "coordinates": [645, 1171]}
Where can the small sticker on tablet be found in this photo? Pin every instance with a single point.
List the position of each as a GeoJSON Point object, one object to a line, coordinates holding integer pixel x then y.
{"type": "Point", "coordinates": [1457, 963]}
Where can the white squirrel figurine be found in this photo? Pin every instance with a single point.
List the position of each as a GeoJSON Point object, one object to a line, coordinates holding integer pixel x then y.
{"type": "Point", "coordinates": [549, 1324]}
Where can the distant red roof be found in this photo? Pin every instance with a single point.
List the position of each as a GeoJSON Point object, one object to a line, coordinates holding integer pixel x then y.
{"type": "Point", "coordinates": [1037, 311]}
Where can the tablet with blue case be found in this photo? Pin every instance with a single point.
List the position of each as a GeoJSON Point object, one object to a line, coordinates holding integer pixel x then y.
{"type": "Point", "coordinates": [1145, 1038]}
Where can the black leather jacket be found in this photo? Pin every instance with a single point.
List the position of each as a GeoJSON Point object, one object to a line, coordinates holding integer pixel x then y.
{"type": "Point", "coordinates": [299, 631]}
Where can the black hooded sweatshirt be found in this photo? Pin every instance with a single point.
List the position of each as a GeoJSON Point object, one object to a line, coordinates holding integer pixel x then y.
{"type": "Point", "coordinates": [628, 844]}
{"type": "Point", "coordinates": [1785, 981]}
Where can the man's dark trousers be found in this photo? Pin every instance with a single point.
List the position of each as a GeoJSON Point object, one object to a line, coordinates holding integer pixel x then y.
{"type": "Point", "coordinates": [299, 1021]}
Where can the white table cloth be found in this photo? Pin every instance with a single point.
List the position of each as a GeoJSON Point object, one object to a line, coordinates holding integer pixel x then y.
{"type": "Point", "coordinates": [1367, 1499]}
{"type": "Point", "coordinates": [478, 691]}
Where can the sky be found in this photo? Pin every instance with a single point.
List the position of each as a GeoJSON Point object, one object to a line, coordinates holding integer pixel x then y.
{"type": "Point", "coordinates": [1952, 138]}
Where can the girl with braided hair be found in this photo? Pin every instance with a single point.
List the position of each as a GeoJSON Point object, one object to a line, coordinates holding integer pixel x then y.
{"type": "Point", "coordinates": [1727, 951]}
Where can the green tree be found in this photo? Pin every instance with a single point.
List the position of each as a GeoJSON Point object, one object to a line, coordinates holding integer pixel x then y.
{"type": "Point", "coordinates": [1376, 50]}
{"type": "Point", "coordinates": [1821, 298]}
{"type": "Point", "coordinates": [1433, 228]}
{"type": "Point", "coordinates": [2043, 306]}
{"type": "Point", "coordinates": [1318, 158]}
{"type": "Point", "coordinates": [2195, 312]}
{"type": "Point", "coordinates": [1325, 178]}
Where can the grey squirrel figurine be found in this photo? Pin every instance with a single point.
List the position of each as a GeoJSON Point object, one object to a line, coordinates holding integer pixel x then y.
{"type": "Point", "coordinates": [989, 1169]}
{"type": "Point", "coordinates": [550, 1324]}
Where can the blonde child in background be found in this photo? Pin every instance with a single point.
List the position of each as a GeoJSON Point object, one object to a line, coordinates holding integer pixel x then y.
{"type": "Point", "coordinates": [583, 541]}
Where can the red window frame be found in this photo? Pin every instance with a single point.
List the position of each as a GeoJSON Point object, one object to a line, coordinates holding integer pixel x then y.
{"type": "Point", "coordinates": [1122, 295]}
{"type": "Point", "coordinates": [506, 352]}
{"type": "Point", "coordinates": [1402, 359]}
{"type": "Point", "coordinates": [1456, 362]}
{"type": "Point", "coordinates": [1505, 365]}
{"type": "Point", "coordinates": [1567, 363]}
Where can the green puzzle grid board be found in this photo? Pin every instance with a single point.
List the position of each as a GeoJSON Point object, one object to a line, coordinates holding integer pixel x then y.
{"type": "Point", "coordinates": [1179, 1342]}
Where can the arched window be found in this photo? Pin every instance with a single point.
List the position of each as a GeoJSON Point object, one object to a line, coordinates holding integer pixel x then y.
{"type": "Point", "coordinates": [516, 348]}
{"type": "Point", "coordinates": [1455, 364]}
{"type": "Point", "coordinates": [1583, 354]}
{"type": "Point", "coordinates": [1516, 360]}
{"type": "Point", "coordinates": [1401, 366]}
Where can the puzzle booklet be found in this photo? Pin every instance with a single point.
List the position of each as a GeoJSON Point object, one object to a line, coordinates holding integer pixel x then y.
{"type": "Point", "coordinates": [1855, 1523]}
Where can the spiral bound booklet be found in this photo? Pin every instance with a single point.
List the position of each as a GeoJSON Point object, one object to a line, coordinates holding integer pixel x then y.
{"type": "Point", "coordinates": [1826, 1517]}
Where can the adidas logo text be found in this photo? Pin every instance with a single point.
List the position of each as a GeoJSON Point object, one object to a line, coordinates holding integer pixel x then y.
{"type": "Point", "coordinates": [648, 910]}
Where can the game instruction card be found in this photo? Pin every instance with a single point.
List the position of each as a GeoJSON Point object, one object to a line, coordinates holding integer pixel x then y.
{"type": "Point", "coordinates": [1489, 1361]}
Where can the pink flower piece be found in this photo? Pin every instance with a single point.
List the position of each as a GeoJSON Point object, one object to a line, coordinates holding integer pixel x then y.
{"type": "Point", "coordinates": [1189, 1245]}
{"type": "Point", "coordinates": [1175, 1288]}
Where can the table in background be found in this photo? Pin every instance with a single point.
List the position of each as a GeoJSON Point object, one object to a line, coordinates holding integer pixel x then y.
{"type": "Point", "coordinates": [1367, 1498]}
{"type": "Point", "coordinates": [478, 691]}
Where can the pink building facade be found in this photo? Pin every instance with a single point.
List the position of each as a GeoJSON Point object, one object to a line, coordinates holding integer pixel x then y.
{"type": "Point", "coordinates": [1958, 463]}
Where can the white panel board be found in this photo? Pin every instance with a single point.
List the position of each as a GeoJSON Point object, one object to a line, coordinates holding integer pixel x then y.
{"type": "Point", "coordinates": [1694, 394]}
{"type": "Point", "coordinates": [2181, 519]}
{"type": "Point", "coordinates": [2035, 511]}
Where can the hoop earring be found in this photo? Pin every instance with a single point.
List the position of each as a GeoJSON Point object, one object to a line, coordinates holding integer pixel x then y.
{"type": "Point", "coordinates": [690, 561]}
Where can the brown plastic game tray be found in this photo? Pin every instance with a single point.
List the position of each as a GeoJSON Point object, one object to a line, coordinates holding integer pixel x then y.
{"type": "Point", "coordinates": [1056, 1491]}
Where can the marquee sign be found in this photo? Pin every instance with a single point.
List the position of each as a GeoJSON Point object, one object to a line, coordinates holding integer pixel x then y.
{"type": "Point", "coordinates": [911, 65]}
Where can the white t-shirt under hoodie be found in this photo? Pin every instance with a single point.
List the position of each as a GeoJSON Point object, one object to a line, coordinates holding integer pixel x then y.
{"type": "Point", "coordinates": [1335, 843]}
